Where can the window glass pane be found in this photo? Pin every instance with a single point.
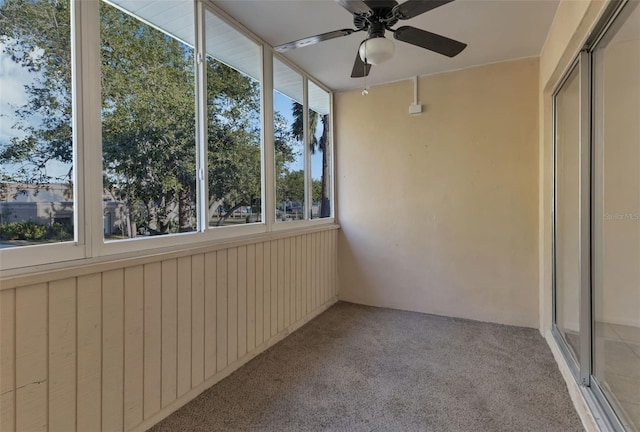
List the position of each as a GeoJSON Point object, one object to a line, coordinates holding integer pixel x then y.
{"type": "Point", "coordinates": [36, 132]}
{"type": "Point", "coordinates": [148, 121]}
{"type": "Point", "coordinates": [234, 125]}
{"type": "Point", "coordinates": [567, 212]}
{"type": "Point", "coordinates": [617, 224]}
{"type": "Point", "coordinates": [320, 147]}
{"type": "Point", "coordinates": [289, 142]}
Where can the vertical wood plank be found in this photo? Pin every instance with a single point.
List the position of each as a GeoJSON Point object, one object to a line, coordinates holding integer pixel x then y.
{"type": "Point", "coordinates": [113, 350]}
{"type": "Point", "coordinates": [62, 355]}
{"type": "Point", "coordinates": [334, 263]}
{"type": "Point", "coordinates": [266, 326]}
{"type": "Point", "coordinates": [251, 297]}
{"type": "Point", "coordinates": [31, 358]}
{"type": "Point", "coordinates": [274, 288]}
{"type": "Point", "coordinates": [330, 253]}
{"type": "Point", "coordinates": [316, 267]}
{"type": "Point", "coordinates": [152, 338]}
{"type": "Point", "coordinates": [324, 248]}
{"type": "Point", "coordinates": [133, 346]}
{"type": "Point", "coordinates": [329, 264]}
{"type": "Point", "coordinates": [169, 331]}
{"type": "Point", "coordinates": [7, 363]}
{"type": "Point", "coordinates": [289, 283]}
{"type": "Point", "coordinates": [294, 285]}
{"type": "Point", "coordinates": [312, 268]}
{"type": "Point", "coordinates": [321, 266]}
{"type": "Point", "coordinates": [222, 301]}
{"type": "Point", "coordinates": [89, 369]}
{"type": "Point", "coordinates": [309, 273]}
{"type": "Point", "coordinates": [197, 319]}
{"type": "Point", "coordinates": [283, 297]}
{"type": "Point", "coordinates": [242, 301]}
{"type": "Point", "coordinates": [305, 273]}
{"type": "Point", "coordinates": [298, 277]}
{"type": "Point", "coordinates": [259, 293]}
{"type": "Point", "coordinates": [232, 306]}
{"type": "Point", "coordinates": [184, 325]}
{"type": "Point", "coordinates": [210, 313]}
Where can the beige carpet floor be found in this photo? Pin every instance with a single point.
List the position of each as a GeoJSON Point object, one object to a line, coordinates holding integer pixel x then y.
{"type": "Point", "coordinates": [359, 368]}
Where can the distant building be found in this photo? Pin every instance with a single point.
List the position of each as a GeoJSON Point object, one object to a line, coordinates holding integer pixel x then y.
{"type": "Point", "coordinates": [45, 204]}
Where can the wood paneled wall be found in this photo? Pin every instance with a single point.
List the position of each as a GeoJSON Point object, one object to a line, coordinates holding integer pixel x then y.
{"type": "Point", "coordinates": [120, 348]}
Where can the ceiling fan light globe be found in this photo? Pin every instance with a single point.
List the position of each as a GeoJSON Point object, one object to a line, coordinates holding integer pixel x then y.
{"type": "Point", "coordinates": [376, 50]}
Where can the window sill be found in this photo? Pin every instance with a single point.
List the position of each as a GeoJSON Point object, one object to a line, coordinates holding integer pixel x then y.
{"type": "Point", "coordinates": [12, 278]}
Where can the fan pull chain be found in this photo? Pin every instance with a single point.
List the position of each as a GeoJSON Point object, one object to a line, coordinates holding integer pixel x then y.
{"type": "Point", "coordinates": [364, 90]}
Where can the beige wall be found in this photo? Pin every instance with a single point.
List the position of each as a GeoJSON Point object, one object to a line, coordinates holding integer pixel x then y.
{"type": "Point", "coordinates": [120, 345]}
{"type": "Point", "coordinates": [439, 210]}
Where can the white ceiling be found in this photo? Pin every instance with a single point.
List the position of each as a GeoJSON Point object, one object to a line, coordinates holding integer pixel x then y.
{"type": "Point", "coordinates": [495, 30]}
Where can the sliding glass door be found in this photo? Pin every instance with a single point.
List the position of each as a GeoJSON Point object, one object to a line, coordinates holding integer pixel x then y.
{"type": "Point", "coordinates": [616, 240]}
{"type": "Point", "coordinates": [597, 217]}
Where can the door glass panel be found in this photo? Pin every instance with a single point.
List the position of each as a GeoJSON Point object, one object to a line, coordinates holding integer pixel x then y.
{"type": "Point", "coordinates": [617, 221]}
{"type": "Point", "coordinates": [567, 212]}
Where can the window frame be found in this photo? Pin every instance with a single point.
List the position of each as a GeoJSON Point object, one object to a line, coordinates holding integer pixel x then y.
{"type": "Point", "coordinates": [89, 244]}
{"type": "Point", "coordinates": [307, 221]}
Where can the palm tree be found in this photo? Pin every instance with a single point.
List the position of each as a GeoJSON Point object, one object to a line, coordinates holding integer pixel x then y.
{"type": "Point", "coordinates": [315, 144]}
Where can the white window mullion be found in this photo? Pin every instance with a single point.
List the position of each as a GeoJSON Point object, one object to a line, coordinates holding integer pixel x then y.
{"type": "Point", "coordinates": [268, 147]}
{"type": "Point", "coordinates": [90, 131]}
{"type": "Point", "coordinates": [307, 154]}
{"type": "Point", "coordinates": [332, 151]}
{"type": "Point", "coordinates": [202, 198]}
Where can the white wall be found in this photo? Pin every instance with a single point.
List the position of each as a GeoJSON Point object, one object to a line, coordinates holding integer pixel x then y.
{"type": "Point", "coordinates": [439, 211]}
{"type": "Point", "coordinates": [120, 345]}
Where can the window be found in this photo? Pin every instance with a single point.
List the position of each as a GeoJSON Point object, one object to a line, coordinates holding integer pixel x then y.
{"type": "Point", "coordinates": [37, 175]}
{"type": "Point", "coordinates": [234, 128]}
{"type": "Point", "coordinates": [320, 147]}
{"type": "Point", "coordinates": [290, 152]}
{"type": "Point", "coordinates": [163, 143]}
{"type": "Point", "coordinates": [148, 124]}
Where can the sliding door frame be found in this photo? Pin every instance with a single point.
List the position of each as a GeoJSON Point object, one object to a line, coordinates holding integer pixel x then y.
{"type": "Point", "coordinates": [590, 204]}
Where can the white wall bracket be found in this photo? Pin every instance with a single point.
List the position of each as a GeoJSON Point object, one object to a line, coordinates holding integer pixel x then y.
{"type": "Point", "coordinates": [415, 108]}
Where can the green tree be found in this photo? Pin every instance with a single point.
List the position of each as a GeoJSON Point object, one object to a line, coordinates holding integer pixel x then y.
{"type": "Point", "coordinates": [148, 117]}
{"type": "Point", "coordinates": [36, 36]}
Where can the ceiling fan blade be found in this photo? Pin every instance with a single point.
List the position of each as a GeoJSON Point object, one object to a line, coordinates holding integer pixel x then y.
{"type": "Point", "coordinates": [360, 68]}
{"type": "Point", "coordinates": [313, 40]}
{"type": "Point", "coordinates": [356, 7]}
{"type": "Point", "coordinates": [431, 41]}
{"type": "Point", "coordinates": [413, 8]}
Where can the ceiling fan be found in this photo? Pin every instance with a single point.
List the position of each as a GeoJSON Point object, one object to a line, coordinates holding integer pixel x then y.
{"type": "Point", "coordinates": [377, 16]}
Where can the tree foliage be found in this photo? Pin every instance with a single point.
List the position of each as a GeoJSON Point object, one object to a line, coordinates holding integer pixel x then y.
{"type": "Point", "coordinates": [148, 118]}
{"type": "Point", "coordinates": [36, 36]}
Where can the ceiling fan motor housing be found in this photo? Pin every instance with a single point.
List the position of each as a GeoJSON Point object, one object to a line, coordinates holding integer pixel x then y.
{"type": "Point", "coordinates": [382, 13]}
